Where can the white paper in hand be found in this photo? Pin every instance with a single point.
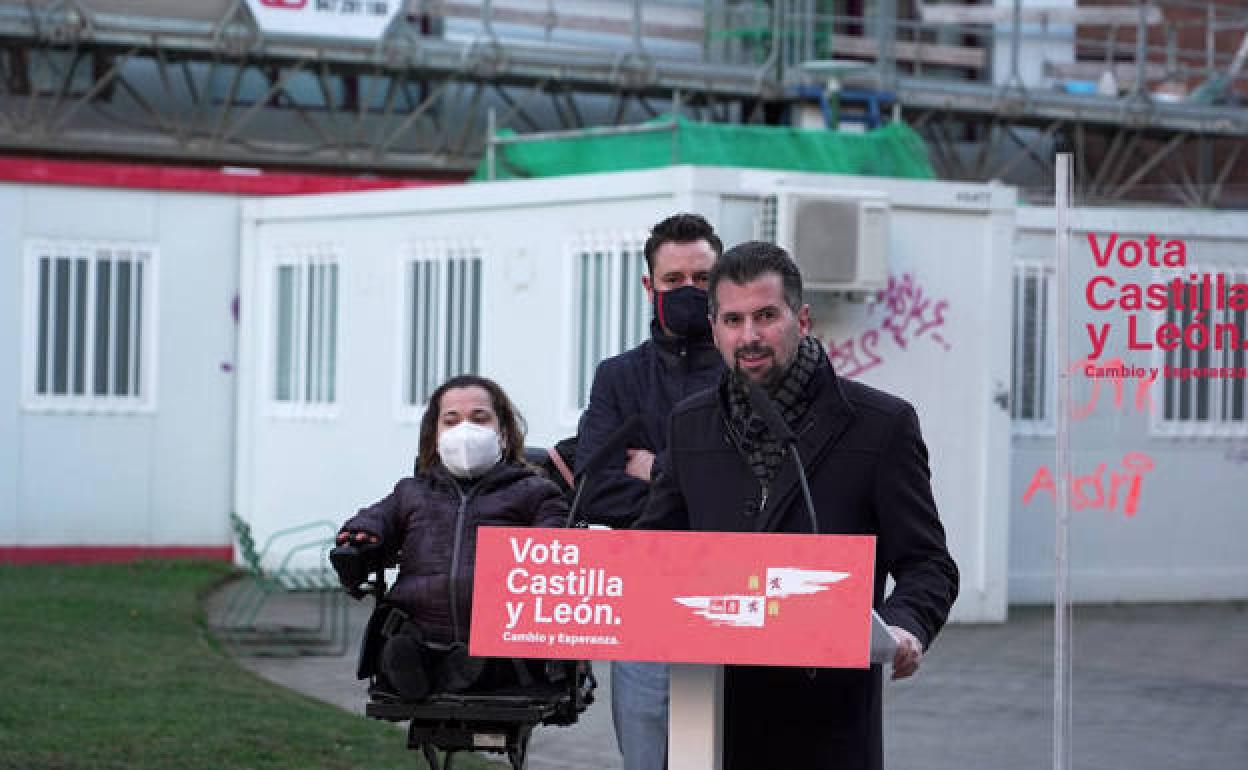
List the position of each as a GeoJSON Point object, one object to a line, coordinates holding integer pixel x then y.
{"type": "Point", "coordinates": [883, 643]}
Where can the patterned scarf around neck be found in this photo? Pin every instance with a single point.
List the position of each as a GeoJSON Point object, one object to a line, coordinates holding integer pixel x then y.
{"type": "Point", "coordinates": [763, 450]}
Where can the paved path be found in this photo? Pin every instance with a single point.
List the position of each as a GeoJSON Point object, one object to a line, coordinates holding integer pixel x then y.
{"type": "Point", "coordinates": [1156, 687]}
{"type": "Point", "coordinates": [590, 743]}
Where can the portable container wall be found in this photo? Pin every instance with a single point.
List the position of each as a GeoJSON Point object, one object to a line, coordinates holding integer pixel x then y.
{"type": "Point", "coordinates": [1178, 534]}
{"type": "Point", "coordinates": [558, 288]}
{"type": "Point", "coordinates": [933, 337]}
{"type": "Point", "coordinates": [533, 282]}
{"type": "Point", "coordinates": [116, 412]}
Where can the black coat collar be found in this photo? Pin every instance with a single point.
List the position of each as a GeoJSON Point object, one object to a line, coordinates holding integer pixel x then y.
{"type": "Point", "coordinates": [673, 351]}
{"type": "Point", "coordinates": [501, 474]}
{"type": "Point", "coordinates": [825, 422]}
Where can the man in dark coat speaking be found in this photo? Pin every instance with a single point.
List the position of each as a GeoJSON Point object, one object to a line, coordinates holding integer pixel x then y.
{"type": "Point", "coordinates": [867, 468]}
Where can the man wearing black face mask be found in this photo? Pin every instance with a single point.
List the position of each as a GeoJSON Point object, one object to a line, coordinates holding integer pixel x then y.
{"type": "Point", "coordinates": [678, 360]}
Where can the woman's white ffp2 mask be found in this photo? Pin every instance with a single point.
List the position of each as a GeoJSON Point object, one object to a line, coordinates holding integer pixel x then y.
{"type": "Point", "coordinates": [468, 450]}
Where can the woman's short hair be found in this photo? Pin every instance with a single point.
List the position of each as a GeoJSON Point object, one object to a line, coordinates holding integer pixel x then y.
{"type": "Point", "coordinates": [511, 426]}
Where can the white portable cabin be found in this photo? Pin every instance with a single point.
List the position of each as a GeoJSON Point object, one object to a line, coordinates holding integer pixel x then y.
{"type": "Point", "coordinates": [116, 408]}
{"type": "Point", "coordinates": [355, 306]}
{"type": "Point", "coordinates": [1178, 534]}
{"type": "Point", "coordinates": [543, 279]}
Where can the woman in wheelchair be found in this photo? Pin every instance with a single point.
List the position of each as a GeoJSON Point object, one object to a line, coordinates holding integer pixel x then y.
{"type": "Point", "coordinates": [469, 473]}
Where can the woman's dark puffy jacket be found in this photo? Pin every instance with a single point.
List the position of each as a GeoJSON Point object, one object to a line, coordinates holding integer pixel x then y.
{"type": "Point", "coordinates": [431, 520]}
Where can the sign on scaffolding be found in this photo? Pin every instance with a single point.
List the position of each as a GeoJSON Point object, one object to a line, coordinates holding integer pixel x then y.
{"type": "Point", "coordinates": [339, 19]}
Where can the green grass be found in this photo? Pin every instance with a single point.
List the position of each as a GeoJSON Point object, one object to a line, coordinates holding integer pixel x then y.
{"type": "Point", "coordinates": [111, 667]}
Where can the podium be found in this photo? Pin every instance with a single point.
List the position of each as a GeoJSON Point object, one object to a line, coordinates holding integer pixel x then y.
{"type": "Point", "coordinates": [695, 736]}
{"type": "Point", "coordinates": [696, 710]}
{"type": "Point", "coordinates": [696, 600]}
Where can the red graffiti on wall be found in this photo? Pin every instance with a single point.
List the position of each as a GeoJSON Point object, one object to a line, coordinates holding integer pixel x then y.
{"type": "Point", "coordinates": [1087, 368]}
{"type": "Point", "coordinates": [910, 314]}
{"type": "Point", "coordinates": [908, 309]}
{"type": "Point", "coordinates": [855, 355]}
{"type": "Point", "coordinates": [1092, 490]}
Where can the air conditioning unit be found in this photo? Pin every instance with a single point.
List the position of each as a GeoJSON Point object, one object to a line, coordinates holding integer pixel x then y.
{"type": "Point", "coordinates": [840, 240]}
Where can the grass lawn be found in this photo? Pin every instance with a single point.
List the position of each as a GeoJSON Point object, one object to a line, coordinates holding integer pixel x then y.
{"type": "Point", "coordinates": [111, 667]}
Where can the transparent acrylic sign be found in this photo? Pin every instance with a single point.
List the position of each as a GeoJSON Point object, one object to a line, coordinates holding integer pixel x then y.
{"type": "Point", "coordinates": [1145, 477]}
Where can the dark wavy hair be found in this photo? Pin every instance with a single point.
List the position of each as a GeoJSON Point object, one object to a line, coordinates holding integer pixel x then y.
{"type": "Point", "coordinates": [511, 425]}
{"type": "Point", "coordinates": [681, 228]}
{"type": "Point", "coordinates": [748, 261]}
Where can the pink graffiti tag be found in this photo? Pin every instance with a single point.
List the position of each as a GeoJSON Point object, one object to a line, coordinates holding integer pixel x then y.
{"type": "Point", "coordinates": [1143, 387]}
{"type": "Point", "coordinates": [851, 361]}
{"type": "Point", "coordinates": [907, 303]}
{"type": "Point", "coordinates": [910, 315]}
{"type": "Point", "coordinates": [1091, 491]}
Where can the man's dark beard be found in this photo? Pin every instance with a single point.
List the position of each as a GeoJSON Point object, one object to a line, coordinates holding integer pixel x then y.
{"type": "Point", "coordinates": [774, 375]}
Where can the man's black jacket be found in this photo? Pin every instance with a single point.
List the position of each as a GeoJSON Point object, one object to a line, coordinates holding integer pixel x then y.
{"type": "Point", "coordinates": [867, 467]}
{"type": "Point", "coordinates": [648, 381]}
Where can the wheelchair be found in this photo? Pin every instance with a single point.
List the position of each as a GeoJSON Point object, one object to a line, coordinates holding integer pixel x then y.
{"type": "Point", "coordinates": [499, 721]}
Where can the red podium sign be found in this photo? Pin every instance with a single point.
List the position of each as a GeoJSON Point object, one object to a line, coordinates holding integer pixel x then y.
{"type": "Point", "coordinates": [676, 597]}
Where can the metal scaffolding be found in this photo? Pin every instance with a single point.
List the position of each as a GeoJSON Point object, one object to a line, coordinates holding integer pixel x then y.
{"type": "Point", "coordinates": [212, 88]}
{"type": "Point", "coordinates": [1128, 143]}
{"type": "Point", "coordinates": [1124, 149]}
{"type": "Point", "coordinates": [201, 82]}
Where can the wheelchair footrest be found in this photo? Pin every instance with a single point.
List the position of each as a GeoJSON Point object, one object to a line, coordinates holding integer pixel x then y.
{"type": "Point", "coordinates": [478, 736]}
{"type": "Point", "coordinates": [465, 709]}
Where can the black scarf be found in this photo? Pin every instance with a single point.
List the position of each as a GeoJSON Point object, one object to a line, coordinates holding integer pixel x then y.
{"type": "Point", "coordinates": [763, 450]}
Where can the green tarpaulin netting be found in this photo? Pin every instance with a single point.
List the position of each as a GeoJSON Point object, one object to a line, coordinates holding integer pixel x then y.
{"type": "Point", "coordinates": [893, 151]}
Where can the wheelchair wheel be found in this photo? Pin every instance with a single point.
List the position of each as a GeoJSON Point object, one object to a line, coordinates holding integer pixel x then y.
{"type": "Point", "coordinates": [516, 757]}
{"type": "Point", "coordinates": [431, 758]}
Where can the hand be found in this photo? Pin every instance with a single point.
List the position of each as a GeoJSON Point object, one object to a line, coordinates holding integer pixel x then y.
{"type": "Point", "coordinates": [909, 653]}
{"type": "Point", "coordinates": [360, 537]}
{"type": "Point", "coordinates": [639, 463]}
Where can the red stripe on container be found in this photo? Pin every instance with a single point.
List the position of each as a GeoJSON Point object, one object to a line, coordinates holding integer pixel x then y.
{"type": "Point", "coordinates": [109, 554]}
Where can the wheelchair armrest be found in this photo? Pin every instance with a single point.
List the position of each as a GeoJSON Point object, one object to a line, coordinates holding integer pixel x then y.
{"type": "Point", "coordinates": [354, 563]}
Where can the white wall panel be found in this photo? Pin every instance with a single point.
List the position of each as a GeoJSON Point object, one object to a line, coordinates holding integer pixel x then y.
{"type": "Point", "coordinates": [12, 204]}
{"type": "Point", "coordinates": [1182, 537]}
{"type": "Point", "coordinates": [298, 470]}
{"type": "Point", "coordinates": [193, 434]}
{"type": "Point", "coordinates": [159, 476]}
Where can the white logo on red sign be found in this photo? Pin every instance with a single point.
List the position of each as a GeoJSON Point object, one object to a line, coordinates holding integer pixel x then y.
{"type": "Point", "coordinates": [752, 610]}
